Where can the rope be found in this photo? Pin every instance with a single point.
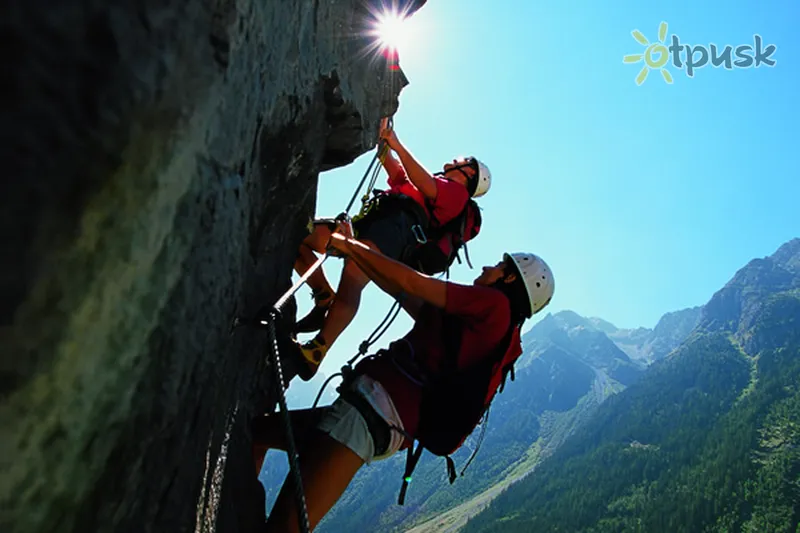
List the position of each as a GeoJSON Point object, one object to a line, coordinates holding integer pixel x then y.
{"type": "Point", "coordinates": [380, 155]}
{"type": "Point", "coordinates": [368, 190]}
{"type": "Point", "coordinates": [361, 183]}
{"type": "Point", "coordinates": [363, 347]}
{"type": "Point", "coordinates": [302, 510]}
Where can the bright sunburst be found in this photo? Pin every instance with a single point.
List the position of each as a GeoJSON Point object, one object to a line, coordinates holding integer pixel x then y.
{"type": "Point", "coordinates": [390, 30]}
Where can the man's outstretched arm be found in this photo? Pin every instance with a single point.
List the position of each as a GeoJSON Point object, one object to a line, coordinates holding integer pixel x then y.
{"type": "Point", "coordinates": [393, 277]}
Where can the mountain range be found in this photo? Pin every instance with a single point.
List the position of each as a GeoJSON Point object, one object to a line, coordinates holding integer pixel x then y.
{"type": "Point", "coordinates": [707, 440]}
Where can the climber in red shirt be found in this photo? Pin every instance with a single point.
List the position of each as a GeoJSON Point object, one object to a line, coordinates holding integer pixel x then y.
{"type": "Point", "coordinates": [378, 411]}
{"type": "Point", "coordinates": [392, 226]}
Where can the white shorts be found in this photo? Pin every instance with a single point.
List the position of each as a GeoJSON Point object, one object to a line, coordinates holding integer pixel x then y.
{"type": "Point", "coordinates": [346, 424]}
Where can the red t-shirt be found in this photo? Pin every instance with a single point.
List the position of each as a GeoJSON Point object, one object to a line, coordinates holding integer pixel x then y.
{"type": "Point", "coordinates": [451, 197]}
{"type": "Point", "coordinates": [486, 318]}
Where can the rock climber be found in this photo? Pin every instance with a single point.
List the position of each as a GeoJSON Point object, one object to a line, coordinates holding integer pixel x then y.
{"type": "Point", "coordinates": [391, 226]}
{"type": "Point", "coordinates": [378, 410]}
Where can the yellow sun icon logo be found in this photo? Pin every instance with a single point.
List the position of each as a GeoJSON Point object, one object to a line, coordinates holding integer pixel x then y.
{"type": "Point", "coordinates": [655, 55]}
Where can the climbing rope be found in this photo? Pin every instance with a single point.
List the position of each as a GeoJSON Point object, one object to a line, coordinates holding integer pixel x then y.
{"type": "Point", "coordinates": [287, 425]}
{"type": "Point", "coordinates": [380, 155]}
{"type": "Point", "coordinates": [363, 348]}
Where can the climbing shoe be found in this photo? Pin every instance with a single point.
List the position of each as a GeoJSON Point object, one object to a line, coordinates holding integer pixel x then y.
{"type": "Point", "coordinates": [315, 318]}
{"type": "Point", "coordinates": [312, 352]}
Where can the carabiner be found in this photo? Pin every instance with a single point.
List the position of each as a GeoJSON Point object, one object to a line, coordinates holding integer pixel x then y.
{"type": "Point", "coordinates": [419, 234]}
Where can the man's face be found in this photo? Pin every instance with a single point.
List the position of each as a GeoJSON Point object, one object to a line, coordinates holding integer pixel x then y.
{"type": "Point", "coordinates": [460, 170]}
{"type": "Point", "coordinates": [490, 274]}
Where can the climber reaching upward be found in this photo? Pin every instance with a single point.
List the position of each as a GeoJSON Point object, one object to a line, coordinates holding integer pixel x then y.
{"type": "Point", "coordinates": [399, 395]}
{"type": "Point", "coordinates": [393, 224]}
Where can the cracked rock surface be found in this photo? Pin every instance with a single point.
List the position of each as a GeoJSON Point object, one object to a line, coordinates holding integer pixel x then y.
{"type": "Point", "coordinates": [161, 164]}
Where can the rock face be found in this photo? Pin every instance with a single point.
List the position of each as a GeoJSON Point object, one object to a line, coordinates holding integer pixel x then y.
{"type": "Point", "coordinates": [161, 163]}
{"type": "Point", "coordinates": [737, 306]}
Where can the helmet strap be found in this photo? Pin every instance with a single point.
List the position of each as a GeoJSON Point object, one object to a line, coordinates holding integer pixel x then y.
{"type": "Point", "coordinates": [472, 181]}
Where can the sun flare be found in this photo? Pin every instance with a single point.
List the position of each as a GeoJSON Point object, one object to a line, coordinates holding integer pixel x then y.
{"type": "Point", "coordinates": [391, 30]}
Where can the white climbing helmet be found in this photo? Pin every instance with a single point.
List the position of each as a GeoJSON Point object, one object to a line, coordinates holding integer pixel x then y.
{"type": "Point", "coordinates": [538, 279]}
{"type": "Point", "coordinates": [484, 178]}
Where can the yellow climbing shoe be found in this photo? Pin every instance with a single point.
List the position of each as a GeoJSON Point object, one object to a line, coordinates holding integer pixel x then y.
{"type": "Point", "coordinates": [313, 353]}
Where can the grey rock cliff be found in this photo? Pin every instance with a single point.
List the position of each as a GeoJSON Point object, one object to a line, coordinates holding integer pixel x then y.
{"type": "Point", "coordinates": [736, 307]}
{"type": "Point", "coordinates": [160, 162]}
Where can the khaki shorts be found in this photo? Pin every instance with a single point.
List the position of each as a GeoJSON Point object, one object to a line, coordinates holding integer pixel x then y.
{"type": "Point", "coordinates": [345, 424]}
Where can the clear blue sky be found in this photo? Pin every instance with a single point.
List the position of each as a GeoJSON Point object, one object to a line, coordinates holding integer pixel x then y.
{"type": "Point", "coordinates": [643, 199]}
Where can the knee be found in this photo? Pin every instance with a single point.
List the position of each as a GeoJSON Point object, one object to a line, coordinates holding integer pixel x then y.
{"type": "Point", "coordinates": [318, 239]}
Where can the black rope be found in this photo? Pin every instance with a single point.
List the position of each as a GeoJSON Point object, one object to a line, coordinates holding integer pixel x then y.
{"type": "Point", "coordinates": [363, 179]}
{"type": "Point", "coordinates": [302, 510]}
{"type": "Point", "coordinates": [370, 187]}
{"type": "Point", "coordinates": [364, 346]}
{"type": "Point", "coordinates": [319, 394]}
{"type": "Point", "coordinates": [375, 172]}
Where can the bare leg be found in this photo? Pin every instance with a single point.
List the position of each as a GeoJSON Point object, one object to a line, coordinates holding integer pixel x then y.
{"type": "Point", "coordinates": [326, 468]}
{"type": "Point", "coordinates": [269, 432]}
{"type": "Point", "coordinates": [348, 299]}
{"type": "Point", "coordinates": [315, 242]}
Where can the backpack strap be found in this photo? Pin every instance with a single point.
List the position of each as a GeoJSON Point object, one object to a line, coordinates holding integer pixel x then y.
{"type": "Point", "coordinates": [466, 255]}
{"type": "Point", "coordinates": [508, 369]}
{"type": "Point", "coordinates": [461, 220]}
{"type": "Point", "coordinates": [451, 333]}
{"type": "Point", "coordinates": [451, 469]}
{"type": "Point", "coordinates": [411, 463]}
